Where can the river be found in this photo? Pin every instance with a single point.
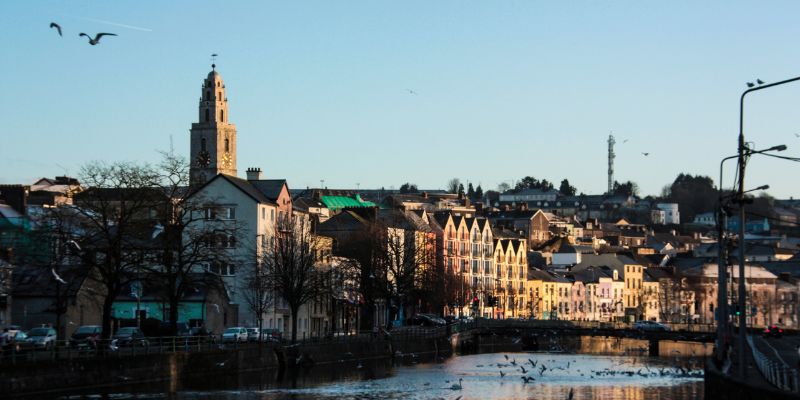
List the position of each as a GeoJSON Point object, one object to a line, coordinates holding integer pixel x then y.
{"type": "Point", "coordinates": [606, 369]}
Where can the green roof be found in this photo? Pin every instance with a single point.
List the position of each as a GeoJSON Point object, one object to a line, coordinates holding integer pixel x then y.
{"type": "Point", "coordinates": [339, 202]}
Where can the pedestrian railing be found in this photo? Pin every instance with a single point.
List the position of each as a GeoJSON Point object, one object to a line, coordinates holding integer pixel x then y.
{"type": "Point", "coordinates": [775, 370]}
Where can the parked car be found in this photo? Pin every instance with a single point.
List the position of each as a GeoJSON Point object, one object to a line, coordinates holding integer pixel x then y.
{"type": "Point", "coordinates": [86, 337]}
{"type": "Point", "coordinates": [236, 334]}
{"type": "Point", "coordinates": [13, 341]}
{"type": "Point", "coordinates": [253, 334]}
{"type": "Point", "coordinates": [773, 331]}
{"type": "Point", "coordinates": [129, 337]}
{"type": "Point", "coordinates": [271, 335]}
{"type": "Point", "coordinates": [650, 326]}
{"type": "Point", "coordinates": [41, 338]}
{"type": "Point", "coordinates": [426, 320]}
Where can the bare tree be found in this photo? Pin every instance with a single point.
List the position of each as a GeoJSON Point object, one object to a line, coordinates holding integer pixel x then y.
{"type": "Point", "coordinates": [114, 220]}
{"type": "Point", "coordinates": [453, 184]}
{"type": "Point", "coordinates": [186, 242]}
{"type": "Point", "coordinates": [258, 296]}
{"type": "Point", "coordinates": [290, 267]}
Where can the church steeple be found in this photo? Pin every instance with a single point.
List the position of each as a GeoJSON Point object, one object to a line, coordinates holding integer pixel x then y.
{"type": "Point", "coordinates": [213, 139]}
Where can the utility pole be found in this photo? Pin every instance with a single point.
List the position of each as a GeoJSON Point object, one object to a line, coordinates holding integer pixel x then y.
{"type": "Point", "coordinates": [744, 152]}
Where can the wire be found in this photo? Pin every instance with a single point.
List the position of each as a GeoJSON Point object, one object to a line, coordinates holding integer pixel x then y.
{"type": "Point", "coordinates": [795, 159]}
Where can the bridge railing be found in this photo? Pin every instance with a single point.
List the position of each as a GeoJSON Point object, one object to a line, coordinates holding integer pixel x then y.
{"type": "Point", "coordinates": [775, 371]}
{"type": "Point", "coordinates": [567, 324]}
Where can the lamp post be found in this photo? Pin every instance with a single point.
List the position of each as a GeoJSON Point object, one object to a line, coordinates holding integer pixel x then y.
{"type": "Point", "coordinates": [722, 284]}
{"type": "Point", "coordinates": [742, 158]}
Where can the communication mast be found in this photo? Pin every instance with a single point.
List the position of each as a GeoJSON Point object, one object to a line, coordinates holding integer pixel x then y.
{"type": "Point", "coordinates": [611, 157]}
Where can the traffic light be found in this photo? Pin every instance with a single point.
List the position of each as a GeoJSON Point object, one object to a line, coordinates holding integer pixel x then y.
{"type": "Point", "coordinates": [475, 302]}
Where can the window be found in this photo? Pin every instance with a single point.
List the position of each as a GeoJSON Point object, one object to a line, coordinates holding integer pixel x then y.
{"type": "Point", "coordinates": [208, 115]}
{"type": "Point", "coordinates": [227, 142]}
{"type": "Point", "coordinates": [211, 213]}
{"type": "Point", "coordinates": [208, 95]}
{"type": "Point", "coordinates": [222, 268]}
{"type": "Point", "coordinates": [203, 144]}
{"type": "Point", "coordinates": [228, 213]}
{"type": "Point", "coordinates": [272, 214]}
{"type": "Point", "coordinates": [222, 119]}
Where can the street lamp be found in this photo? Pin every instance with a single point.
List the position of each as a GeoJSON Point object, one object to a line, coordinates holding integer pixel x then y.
{"type": "Point", "coordinates": [742, 158]}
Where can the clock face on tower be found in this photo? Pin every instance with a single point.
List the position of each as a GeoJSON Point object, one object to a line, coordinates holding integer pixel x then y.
{"type": "Point", "coordinates": [203, 159]}
{"type": "Point", "coordinates": [226, 160]}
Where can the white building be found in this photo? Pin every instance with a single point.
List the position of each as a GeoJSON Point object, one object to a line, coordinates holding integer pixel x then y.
{"type": "Point", "coordinates": [666, 214]}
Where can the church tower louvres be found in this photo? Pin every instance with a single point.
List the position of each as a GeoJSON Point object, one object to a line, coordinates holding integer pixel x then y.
{"type": "Point", "coordinates": [213, 139]}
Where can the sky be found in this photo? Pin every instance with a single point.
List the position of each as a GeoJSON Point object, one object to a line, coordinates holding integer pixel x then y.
{"type": "Point", "coordinates": [321, 90]}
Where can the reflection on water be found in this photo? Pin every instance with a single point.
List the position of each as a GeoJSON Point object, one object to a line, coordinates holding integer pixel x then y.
{"type": "Point", "coordinates": [590, 376]}
{"type": "Point", "coordinates": [606, 368]}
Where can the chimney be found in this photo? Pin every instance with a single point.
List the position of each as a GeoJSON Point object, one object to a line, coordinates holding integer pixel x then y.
{"type": "Point", "coordinates": [424, 195]}
{"type": "Point", "coordinates": [254, 174]}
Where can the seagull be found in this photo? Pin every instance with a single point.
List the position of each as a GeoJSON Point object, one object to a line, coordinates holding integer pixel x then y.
{"type": "Point", "coordinates": [57, 26]}
{"type": "Point", "coordinates": [74, 244]}
{"type": "Point", "coordinates": [157, 230]}
{"type": "Point", "coordinates": [759, 81]}
{"type": "Point", "coordinates": [750, 84]}
{"type": "Point", "coordinates": [646, 154]}
{"type": "Point", "coordinates": [797, 135]}
{"type": "Point", "coordinates": [502, 374]}
{"type": "Point", "coordinates": [411, 92]}
{"type": "Point", "coordinates": [523, 369]}
{"type": "Point", "coordinates": [625, 141]}
{"type": "Point", "coordinates": [97, 37]}
{"type": "Point", "coordinates": [457, 386]}
{"type": "Point", "coordinates": [506, 356]}
{"type": "Point", "coordinates": [58, 278]}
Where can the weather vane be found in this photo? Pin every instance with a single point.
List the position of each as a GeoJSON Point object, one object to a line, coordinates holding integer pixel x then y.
{"type": "Point", "coordinates": [214, 60]}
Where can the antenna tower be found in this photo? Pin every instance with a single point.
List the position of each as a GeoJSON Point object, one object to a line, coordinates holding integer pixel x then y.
{"type": "Point", "coordinates": [611, 157]}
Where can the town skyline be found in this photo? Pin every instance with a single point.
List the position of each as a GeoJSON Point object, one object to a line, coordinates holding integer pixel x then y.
{"type": "Point", "coordinates": [397, 108]}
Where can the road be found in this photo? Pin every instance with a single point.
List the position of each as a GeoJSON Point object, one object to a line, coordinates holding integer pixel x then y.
{"type": "Point", "coordinates": [785, 347]}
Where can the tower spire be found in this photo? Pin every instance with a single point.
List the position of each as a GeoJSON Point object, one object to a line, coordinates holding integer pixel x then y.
{"type": "Point", "coordinates": [213, 138]}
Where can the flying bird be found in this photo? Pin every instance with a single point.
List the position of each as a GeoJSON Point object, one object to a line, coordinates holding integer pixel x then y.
{"type": "Point", "coordinates": [57, 278]}
{"type": "Point", "coordinates": [97, 37]}
{"type": "Point", "coordinates": [57, 26]}
{"type": "Point", "coordinates": [74, 244]}
{"type": "Point", "coordinates": [797, 135]}
{"type": "Point", "coordinates": [411, 91]}
{"type": "Point", "coordinates": [759, 81]}
{"type": "Point", "coordinates": [502, 374]}
{"type": "Point", "coordinates": [625, 141]}
{"type": "Point", "coordinates": [157, 230]}
{"type": "Point", "coordinates": [646, 154]}
{"type": "Point", "coordinates": [750, 84]}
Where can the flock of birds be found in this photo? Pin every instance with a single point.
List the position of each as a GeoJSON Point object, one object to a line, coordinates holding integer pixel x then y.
{"type": "Point", "coordinates": [528, 375]}
{"type": "Point", "coordinates": [92, 40]}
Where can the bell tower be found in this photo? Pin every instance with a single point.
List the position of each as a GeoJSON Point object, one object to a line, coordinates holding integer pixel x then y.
{"type": "Point", "coordinates": [213, 139]}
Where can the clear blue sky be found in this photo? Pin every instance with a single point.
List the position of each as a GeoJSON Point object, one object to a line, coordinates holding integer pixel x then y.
{"type": "Point", "coordinates": [318, 90]}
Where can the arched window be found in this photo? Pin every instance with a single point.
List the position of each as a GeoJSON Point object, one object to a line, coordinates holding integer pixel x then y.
{"type": "Point", "coordinates": [203, 144]}
{"type": "Point", "coordinates": [222, 115]}
{"type": "Point", "coordinates": [219, 96]}
{"type": "Point", "coordinates": [208, 95]}
{"type": "Point", "coordinates": [227, 145]}
{"type": "Point", "coordinates": [208, 116]}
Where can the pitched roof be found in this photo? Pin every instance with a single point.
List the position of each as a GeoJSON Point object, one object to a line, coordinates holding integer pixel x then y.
{"type": "Point", "coordinates": [340, 202]}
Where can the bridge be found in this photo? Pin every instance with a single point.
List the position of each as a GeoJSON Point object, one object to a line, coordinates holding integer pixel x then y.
{"type": "Point", "coordinates": [548, 329]}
